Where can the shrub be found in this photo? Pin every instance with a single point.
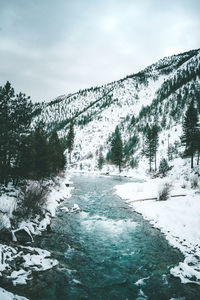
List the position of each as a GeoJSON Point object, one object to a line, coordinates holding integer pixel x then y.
{"type": "Point", "coordinates": [194, 181]}
{"type": "Point", "coordinates": [100, 161]}
{"type": "Point", "coordinates": [164, 192]}
{"type": "Point", "coordinates": [184, 185]}
{"type": "Point", "coordinates": [31, 199]}
{"type": "Point", "coordinates": [134, 163]}
{"type": "Point", "coordinates": [163, 167]}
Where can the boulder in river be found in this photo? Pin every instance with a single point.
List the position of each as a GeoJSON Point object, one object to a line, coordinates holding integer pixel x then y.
{"type": "Point", "coordinates": [75, 208]}
{"type": "Point", "coordinates": [5, 235]}
{"type": "Point", "coordinates": [23, 236]}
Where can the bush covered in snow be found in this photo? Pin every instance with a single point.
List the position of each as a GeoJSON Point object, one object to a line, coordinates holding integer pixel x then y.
{"type": "Point", "coordinates": [194, 181]}
{"type": "Point", "coordinates": [31, 199]}
{"type": "Point", "coordinates": [164, 191]}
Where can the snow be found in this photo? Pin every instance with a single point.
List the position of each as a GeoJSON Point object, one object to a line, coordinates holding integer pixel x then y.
{"type": "Point", "coordinates": [4, 295]}
{"type": "Point", "coordinates": [30, 259]}
{"type": "Point", "coordinates": [20, 277]}
{"type": "Point", "coordinates": [75, 208]}
{"type": "Point", "coordinates": [177, 218]}
{"type": "Point", "coordinates": [141, 281]}
{"type": "Point", "coordinates": [64, 208]}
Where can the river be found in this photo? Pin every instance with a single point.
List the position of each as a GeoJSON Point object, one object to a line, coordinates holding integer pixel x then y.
{"type": "Point", "coordinates": [106, 251]}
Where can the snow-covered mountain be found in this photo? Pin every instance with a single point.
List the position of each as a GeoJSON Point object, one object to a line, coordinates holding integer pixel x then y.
{"type": "Point", "coordinates": [160, 93]}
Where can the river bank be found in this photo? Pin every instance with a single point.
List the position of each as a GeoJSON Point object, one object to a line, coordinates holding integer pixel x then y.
{"type": "Point", "coordinates": [104, 250]}
{"type": "Point", "coordinates": [19, 262]}
{"type": "Point", "coordinates": [177, 217]}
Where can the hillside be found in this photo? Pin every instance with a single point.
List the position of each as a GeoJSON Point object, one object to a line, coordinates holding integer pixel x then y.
{"type": "Point", "coordinates": [160, 93]}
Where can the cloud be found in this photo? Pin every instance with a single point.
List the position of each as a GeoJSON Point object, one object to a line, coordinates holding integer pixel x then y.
{"type": "Point", "coordinates": [50, 47]}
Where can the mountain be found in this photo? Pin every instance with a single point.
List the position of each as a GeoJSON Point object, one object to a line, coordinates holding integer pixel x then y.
{"type": "Point", "coordinates": [160, 93]}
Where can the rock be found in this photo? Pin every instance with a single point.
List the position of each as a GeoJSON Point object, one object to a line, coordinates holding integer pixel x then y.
{"type": "Point", "coordinates": [48, 227]}
{"type": "Point", "coordinates": [64, 208]}
{"type": "Point", "coordinates": [5, 235]}
{"type": "Point", "coordinates": [23, 236]}
{"type": "Point", "coordinates": [75, 208]}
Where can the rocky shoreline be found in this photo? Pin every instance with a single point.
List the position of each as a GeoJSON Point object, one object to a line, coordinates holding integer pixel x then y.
{"type": "Point", "coordinates": [19, 262]}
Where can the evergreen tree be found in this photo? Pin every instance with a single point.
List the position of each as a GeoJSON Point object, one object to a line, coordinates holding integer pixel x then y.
{"type": "Point", "coordinates": [116, 154]}
{"type": "Point", "coordinates": [6, 96]}
{"type": "Point", "coordinates": [15, 119]}
{"type": "Point", "coordinates": [41, 162]}
{"type": "Point", "coordinates": [24, 154]}
{"type": "Point", "coordinates": [155, 142]}
{"type": "Point", "coordinates": [198, 146]}
{"type": "Point", "coordinates": [70, 140]}
{"type": "Point", "coordinates": [148, 147]}
{"type": "Point", "coordinates": [151, 144]}
{"type": "Point", "coordinates": [190, 131]}
{"type": "Point", "coordinates": [100, 160]}
{"type": "Point", "coordinates": [56, 157]}
{"type": "Point", "coordinates": [163, 167]}
{"type": "Point", "coordinates": [25, 160]}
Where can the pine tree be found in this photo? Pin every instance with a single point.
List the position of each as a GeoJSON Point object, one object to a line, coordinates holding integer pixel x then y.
{"type": "Point", "coordinates": [6, 95]}
{"type": "Point", "coordinates": [190, 131]}
{"type": "Point", "coordinates": [41, 162]}
{"type": "Point", "coordinates": [155, 142]}
{"type": "Point", "coordinates": [70, 140]}
{"type": "Point", "coordinates": [100, 160]}
{"type": "Point", "coordinates": [116, 154]}
{"type": "Point", "coordinates": [56, 157]}
{"type": "Point", "coordinates": [198, 146]}
{"type": "Point", "coordinates": [151, 144]}
{"type": "Point", "coordinates": [148, 147]}
{"type": "Point", "coordinates": [163, 167]}
{"type": "Point", "coordinates": [25, 160]}
{"type": "Point", "coordinates": [15, 119]}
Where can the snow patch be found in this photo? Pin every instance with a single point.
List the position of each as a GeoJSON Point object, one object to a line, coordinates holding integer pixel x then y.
{"type": "Point", "coordinates": [178, 217]}
{"type": "Point", "coordinates": [4, 295]}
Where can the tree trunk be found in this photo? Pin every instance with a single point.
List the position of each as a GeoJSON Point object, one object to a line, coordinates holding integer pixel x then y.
{"type": "Point", "coordinates": [70, 157]}
{"type": "Point", "coordinates": [119, 167]}
{"type": "Point", "coordinates": [198, 158]}
{"type": "Point", "coordinates": [192, 161]}
{"type": "Point", "coordinates": [168, 148]}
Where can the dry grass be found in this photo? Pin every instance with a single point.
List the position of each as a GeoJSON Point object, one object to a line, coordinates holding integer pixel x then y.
{"type": "Point", "coordinates": [31, 199]}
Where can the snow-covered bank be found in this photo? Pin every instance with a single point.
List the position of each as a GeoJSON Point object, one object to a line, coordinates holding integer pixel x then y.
{"type": "Point", "coordinates": [17, 263]}
{"type": "Point", "coordinates": [178, 217]}
{"type": "Point", "coordinates": [4, 295]}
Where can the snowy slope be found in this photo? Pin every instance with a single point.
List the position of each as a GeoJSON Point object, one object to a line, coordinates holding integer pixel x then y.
{"type": "Point", "coordinates": [159, 93]}
{"type": "Point", "coordinates": [177, 218]}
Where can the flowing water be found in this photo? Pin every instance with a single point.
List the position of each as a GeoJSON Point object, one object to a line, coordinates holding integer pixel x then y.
{"type": "Point", "coordinates": [106, 251]}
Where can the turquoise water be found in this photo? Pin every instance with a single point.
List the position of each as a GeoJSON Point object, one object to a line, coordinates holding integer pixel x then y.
{"type": "Point", "coordinates": [106, 251]}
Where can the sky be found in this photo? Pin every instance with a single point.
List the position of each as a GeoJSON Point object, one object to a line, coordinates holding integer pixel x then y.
{"type": "Point", "coordinates": [54, 47]}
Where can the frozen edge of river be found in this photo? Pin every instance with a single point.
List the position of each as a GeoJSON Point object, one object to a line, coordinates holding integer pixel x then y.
{"type": "Point", "coordinates": [177, 218]}
{"type": "Point", "coordinates": [34, 259]}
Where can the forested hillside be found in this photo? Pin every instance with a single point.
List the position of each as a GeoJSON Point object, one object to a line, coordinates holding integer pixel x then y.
{"type": "Point", "coordinates": [160, 94]}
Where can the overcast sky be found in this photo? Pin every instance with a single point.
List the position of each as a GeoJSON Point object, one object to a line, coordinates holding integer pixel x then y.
{"type": "Point", "coordinates": [52, 47]}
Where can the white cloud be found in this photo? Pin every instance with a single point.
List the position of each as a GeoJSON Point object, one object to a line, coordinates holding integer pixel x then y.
{"type": "Point", "coordinates": [48, 48]}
